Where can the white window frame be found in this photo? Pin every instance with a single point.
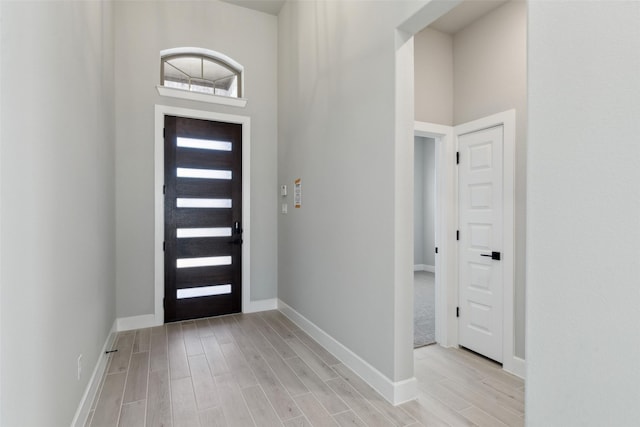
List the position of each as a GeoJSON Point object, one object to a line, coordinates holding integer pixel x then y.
{"type": "Point", "coordinates": [204, 97]}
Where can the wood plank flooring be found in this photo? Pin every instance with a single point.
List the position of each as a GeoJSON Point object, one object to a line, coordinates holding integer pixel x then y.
{"type": "Point", "coordinates": [261, 370]}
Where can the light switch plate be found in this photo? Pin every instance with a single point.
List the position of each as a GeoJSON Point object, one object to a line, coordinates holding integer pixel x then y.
{"type": "Point", "coordinates": [285, 208]}
{"type": "Point", "coordinates": [283, 190]}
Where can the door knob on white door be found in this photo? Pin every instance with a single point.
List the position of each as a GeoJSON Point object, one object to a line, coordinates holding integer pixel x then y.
{"type": "Point", "coordinates": [493, 255]}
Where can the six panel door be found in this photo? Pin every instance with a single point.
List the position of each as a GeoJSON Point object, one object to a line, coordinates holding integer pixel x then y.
{"type": "Point", "coordinates": [480, 221]}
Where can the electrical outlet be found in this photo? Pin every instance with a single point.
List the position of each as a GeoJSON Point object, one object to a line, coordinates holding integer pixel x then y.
{"type": "Point", "coordinates": [79, 367]}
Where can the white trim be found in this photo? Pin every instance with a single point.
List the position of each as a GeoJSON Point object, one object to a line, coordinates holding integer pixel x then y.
{"type": "Point", "coordinates": [201, 51]}
{"type": "Point", "coordinates": [1, 50]}
{"type": "Point", "coordinates": [445, 213]}
{"type": "Point", "coordinates": [245, 121]}
{"type": "Point", "coordinates": [261, 305]}
{"type": "Point", "coordinates": [395, 392]}
{"type": "Point", "coordinates": [215, 99]}
{"type": "Point", "coordinates": [201, 97]}
{"type": "Point", "coordinates": [424, 267]}
{"type": "Point", "coordinates": [507, 119]}
{"type": "Point", "coordinates": [135, 322]}
{"type": "Point", "coordinates": [517, 367]}
{"type": "Point", "coordinates": [90, 392]}
{"type": "Point", "coordinates": [404, 391]}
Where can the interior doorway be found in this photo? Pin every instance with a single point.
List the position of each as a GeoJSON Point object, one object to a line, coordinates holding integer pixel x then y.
{"type": "Point", "coordinates": [443, 220]}
{"type": "Point", "coordinates": [456, 80]}
{"type": "Point", "coordinates": [424, 242]}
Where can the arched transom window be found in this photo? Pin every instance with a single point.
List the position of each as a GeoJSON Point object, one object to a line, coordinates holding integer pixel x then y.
{"type": "Point", "coordinates": [201, 70]}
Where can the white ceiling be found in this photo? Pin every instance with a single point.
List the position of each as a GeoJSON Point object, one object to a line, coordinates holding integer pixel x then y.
{"type": "Point", "coordinates": [461, 16]}
{"type": "Point", "coordinates": [271, 7]}
{"type": "Point", "coordinates": [467, 12]}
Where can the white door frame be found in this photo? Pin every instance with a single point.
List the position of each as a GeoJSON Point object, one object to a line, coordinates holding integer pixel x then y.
{"type": "Point", "coordinates": [445, 223]}
{"type": "Point", "coordinates": [245, 121]}
{"type": "Point", "coordinates": [446, 285]}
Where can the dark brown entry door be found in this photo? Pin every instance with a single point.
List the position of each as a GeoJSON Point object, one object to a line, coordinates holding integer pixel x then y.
{"type": "Point", "coordinates": [202, 214]}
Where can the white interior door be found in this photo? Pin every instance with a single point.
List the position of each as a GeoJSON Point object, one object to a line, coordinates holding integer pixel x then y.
{"type": "Point", "coordinates": [480, 181]}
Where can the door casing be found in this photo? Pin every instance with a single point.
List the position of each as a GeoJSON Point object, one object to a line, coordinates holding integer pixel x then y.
{"type": "Point", "coordinates": [446, 285]}
{"type": "Point", "coordinates": [245, 121]}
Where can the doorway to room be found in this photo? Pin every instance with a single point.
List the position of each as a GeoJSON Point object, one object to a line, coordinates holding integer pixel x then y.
{"type": "Point", "coordinates": [461, 69]}
{"type": "Point", "coordinates": [424, 242]}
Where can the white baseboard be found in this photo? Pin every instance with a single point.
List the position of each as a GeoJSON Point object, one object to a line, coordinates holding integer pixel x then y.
{"type": "Point", "coordinates": [424, 267]}
{"type": "Point", "coordinates": [261, 305]}
{"type": "Point", "coordinates": [395, 392]}
{"type": "Point", "coordinates": [136, 322]}
{"type": "Point", "coordinates": [149, 320]}
{"type": "Point", "coordinates": [517, 367]}
{"type": "Point", "coordinates": [80, 418]}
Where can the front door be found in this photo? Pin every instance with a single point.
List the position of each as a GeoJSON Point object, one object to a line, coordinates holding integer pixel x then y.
{"type": "Point", "coordinates": [480, 180]}
{"type": "Point", "coordinates": [203, 214]}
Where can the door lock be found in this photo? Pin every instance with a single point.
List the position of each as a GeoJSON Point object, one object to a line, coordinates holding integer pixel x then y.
{"type": "Point", "coordinates": [493, 255]}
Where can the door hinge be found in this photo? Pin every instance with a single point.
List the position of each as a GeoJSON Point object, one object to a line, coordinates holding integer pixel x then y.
{"type": "Point", "coordinates": [436, 250]}
{"type": "Point", "coordinates": [164, 305]}
{"type": "Point", "coordinates": [457, 234]}
{"type": "Point", "coordinates": [164, 132]}
{"type": "Point", "coordinates": [164, 246]}
{"type": "Point", "coordinates": [457, 311]}
{"type": "Point", "coordinates": [164, 189]}
{"type": "Point", "coordinates": [457, 157]}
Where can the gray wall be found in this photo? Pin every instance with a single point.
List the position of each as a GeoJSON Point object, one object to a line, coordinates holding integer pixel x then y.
{"type": "Point", "coordinates": [583, 340]}
{"type": "Point", "coordinates": [424, 201]}
{"type": "Point", "coordinates": [488, 76]}
{"type": "Point", "coordinates": [144, 29]}
{"type": "Point", "coordinates": [58, 227]}
{"type": "Point", "coordinates": [336, 133]}
{"type": "Point", "coordinates": [433, 63]}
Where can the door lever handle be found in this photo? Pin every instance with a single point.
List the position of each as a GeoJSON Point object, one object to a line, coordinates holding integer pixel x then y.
{"type": "Point", "coordinates": [237, 241]}
{"type": "Point", "coordinates": [493, 255]}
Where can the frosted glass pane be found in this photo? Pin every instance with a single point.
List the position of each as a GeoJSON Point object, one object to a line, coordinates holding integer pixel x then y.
{"type": "Point", "coordinates": [203, 173]}
{"type": "Point", "coordinates": [177, 85]}
{"type": "Point", "coordinates": [204, 291]}
{"type": "Point", "coordinates": [203, 262]}
{"type": "Point", "coordinates": [205, 144]}
{"type": "Point", "coordinates": [203, 232]}
{"type": "Point", "coordinates": [203, 203]}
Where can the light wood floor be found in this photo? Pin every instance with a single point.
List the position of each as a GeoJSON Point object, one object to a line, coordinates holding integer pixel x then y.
{"type": "Point", "coordinates": [261, 370]}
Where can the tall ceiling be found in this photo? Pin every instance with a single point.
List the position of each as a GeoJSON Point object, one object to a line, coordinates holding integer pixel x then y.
{"type": "Point", "coordinates": [464, 14]}
{"type": "Point", "coordinates": [452, 22]}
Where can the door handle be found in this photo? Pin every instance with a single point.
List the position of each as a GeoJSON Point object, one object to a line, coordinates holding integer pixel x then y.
{"type": "Point", "coordinates": [237, 241]}
{"type": "Point", "coordinates": [236, 228]}
{"type": "Point", "coordinates": [493, 255]}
